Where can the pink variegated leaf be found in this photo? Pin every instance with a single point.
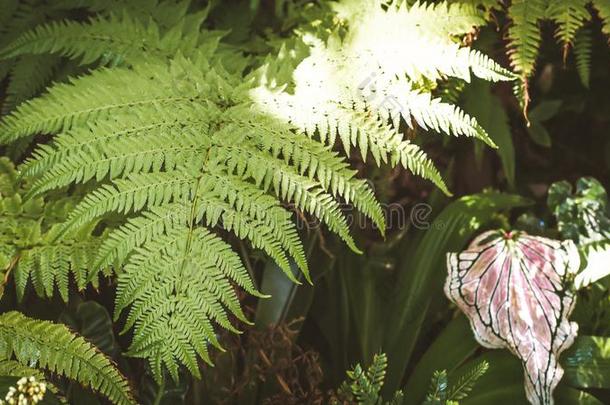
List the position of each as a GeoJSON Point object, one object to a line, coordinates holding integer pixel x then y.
{"type": "Point", "coordinates": [516, 289]}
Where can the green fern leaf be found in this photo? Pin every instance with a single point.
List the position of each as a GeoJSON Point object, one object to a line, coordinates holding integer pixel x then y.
{"type": "Point", "coordinates": [524, 34]}
{"type": "Point", "coordinates": [50, 265]}
{"type": "Point", "coordinates": [570, 16]}
{"type": "Point", "coordinates": [181, 281]}
{"type": "Point", "coordinates": [114, 40]}
{"type": "Point", "coordinates": [49, 346]}
{"type": "Point", "coordinates": [462, 387]}
{"type": "Point", "coordinates": [583, 46]}
{"type": "Point", "coordinates": [29, 75]}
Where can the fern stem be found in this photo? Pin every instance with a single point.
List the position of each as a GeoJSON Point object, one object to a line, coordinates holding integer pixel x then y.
{"type": "Point", "coordinates": [159, 394]}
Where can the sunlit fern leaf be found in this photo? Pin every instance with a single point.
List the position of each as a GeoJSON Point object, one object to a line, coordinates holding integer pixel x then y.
{"type": "Point", "coordinates": [570, 16]}
{"type": "Point", "coordinates": [352, 87]}
{"type": "Point", "coordinates": [583, 46]}
{"type": "Point", "coordinates": [524, 40]}
{"type": "Point", "coordinates": [436, 20]}
{"type": "Point", "coordinates": [55, 349]}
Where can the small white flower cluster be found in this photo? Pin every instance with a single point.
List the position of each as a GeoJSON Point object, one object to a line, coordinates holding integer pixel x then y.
{"type": "Point", "coordinates": [28, 391]}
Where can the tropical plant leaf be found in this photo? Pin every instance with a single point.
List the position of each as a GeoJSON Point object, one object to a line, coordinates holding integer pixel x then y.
{"type": "Point", "coordinates": [516, 290]}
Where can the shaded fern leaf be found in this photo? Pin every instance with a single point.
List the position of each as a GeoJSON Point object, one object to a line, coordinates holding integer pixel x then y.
{"type": "Point", "coordinates": [583, 45]}
{"type": "Point", "coordinates": [439, 384]}
{"type": "Point", "coordinates": [29, 75]}
{"type": "Point", "coordinates": [364, 386]}
{"type": "Point", "coordinates": [462, 387]}
{"type": "Point", "coordinates": [53, 347]}
{"type": "Point", "coordinates": [570, 16]}
{"type": "Point", "coordinates": [524, 34]}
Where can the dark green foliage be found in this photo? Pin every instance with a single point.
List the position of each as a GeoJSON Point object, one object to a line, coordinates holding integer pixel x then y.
{"type": "Point", "coordinates": [582, 214]}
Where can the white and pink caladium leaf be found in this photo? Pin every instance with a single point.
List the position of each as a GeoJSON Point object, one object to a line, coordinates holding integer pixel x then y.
{"type": "Point", "coordinates": [516, 289]}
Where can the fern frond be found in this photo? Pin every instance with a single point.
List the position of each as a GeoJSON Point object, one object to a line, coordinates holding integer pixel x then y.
{"type": "Point", "coordinates": [570, 16]}
{"type": "Point", "coordinates": [524, 34]}
{"type": "Point", "coordinates": [50, 265]}
{"type": "Point", "coordinates": [28, 76]}
{"type": "Point", "coordinates": [289, 185]}
{"type": "Point", "coordinates": [437, 394]}
{"type": "Point", "coordinates": [583, 46]}
{"type": "Point", "coordinates": [462, 387]}
{"type": "Point", "coordinates": [246, 202]}
{"type": "Point", "coordinates": [198, 159]}
{"type": "Point", "coordinates": [139, 231]}
{"type": "Point", "coordinates": [28, 231]}
{"type": "Point", "coordinates": [351, 86]}
{"type": "Point", "coordinates": [49, 346]}
{"type": "Point", "coordinates": [110, 153]}
{"type": "Point", "coordinates": [141, 149]}
{"type": "Point", "coordinates": [113, 40]}
{"type": "Point", "coordinates": [131, 195]}
{"type": "Point", "coordinates": [181, 281]}
{"type": "Point", "coordinates": [312, 159]}
{"type": "Point", "coordinates": [363, 386]}
{"type": "Point", "coordinates": [97, 96]}
{"type": "Point", "coordinates": [387, 145]}
{"type": "Point", "coordinates": [376, 372]}
{"type": "Point", "coordinates": [14, 368]}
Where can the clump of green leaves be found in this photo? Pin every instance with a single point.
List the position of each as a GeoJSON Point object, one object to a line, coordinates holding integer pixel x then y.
{"type": "Point", "coordinates": [442, 392]}
{"type": "Point", "coordinates": [363, 386]}
{"type": "Point", "coordinates": [582, 213]}
{"type": "Point", "coordinates": [582, 216]}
